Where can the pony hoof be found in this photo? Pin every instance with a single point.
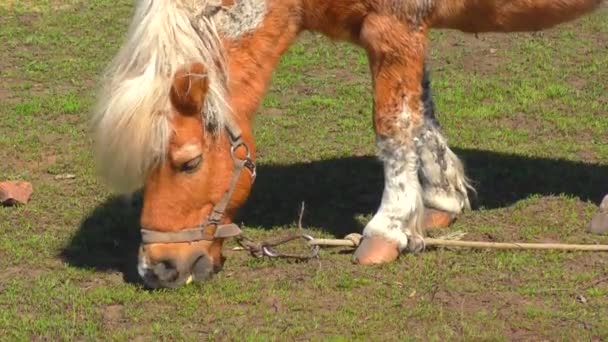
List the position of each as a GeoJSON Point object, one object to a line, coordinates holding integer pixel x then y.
{"type": "Point", "coordinates": [599, 223]}
{"type": "Point", "coordinates": [434, 218]}
{"type": "Point", "coordinates": [376, 250]}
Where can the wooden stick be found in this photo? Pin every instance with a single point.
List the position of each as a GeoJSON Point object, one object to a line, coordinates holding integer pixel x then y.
{"type": "Point", "coordinates": [474, 244]}
{"type": "Point", "coordinates": [514, 245]}
{"type": "Point", "coordinates": [332, 243]}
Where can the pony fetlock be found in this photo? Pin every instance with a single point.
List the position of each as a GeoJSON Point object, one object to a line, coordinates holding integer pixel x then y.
{"type": "Point", "coordinates": [444, 183]}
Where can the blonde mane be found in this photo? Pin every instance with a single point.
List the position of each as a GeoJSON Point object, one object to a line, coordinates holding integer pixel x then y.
{"type": "Point", "coordinates": [131, 119]}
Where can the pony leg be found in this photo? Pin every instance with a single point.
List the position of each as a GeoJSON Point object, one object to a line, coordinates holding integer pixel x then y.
{"type": "Point", "coordinates": [441, 173]}
{"type": "Point", "coordinates": [396, 54]}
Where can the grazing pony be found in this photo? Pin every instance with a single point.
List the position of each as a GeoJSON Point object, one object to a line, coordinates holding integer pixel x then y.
{"type": "Point", "coordinates": [176, 109]}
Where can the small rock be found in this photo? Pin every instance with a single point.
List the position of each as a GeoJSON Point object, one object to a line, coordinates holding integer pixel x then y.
{"type": "Point", "coordinates": [65, 176]}
{"type": "Point", "coordinates": [493, 51]}
{"type": "Point", "coordinates": [599, 222]}
{"type": "Point", "coordinates": [13, 193]}
{"type": "Point", "coordinates": [581, 299]}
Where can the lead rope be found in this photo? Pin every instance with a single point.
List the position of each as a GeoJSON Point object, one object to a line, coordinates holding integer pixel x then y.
{"type": "Point", "coordinates": [265, 248]}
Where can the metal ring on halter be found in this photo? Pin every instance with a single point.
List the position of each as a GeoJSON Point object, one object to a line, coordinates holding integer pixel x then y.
{"type": "Point", "coordinates": [269, 252]}
{"type": "Point", "coordinates": [237, 145]}
{"type": "Point", "coordinates": [247, 162]}
{"type": "Point", "coordinates": [316, 248]}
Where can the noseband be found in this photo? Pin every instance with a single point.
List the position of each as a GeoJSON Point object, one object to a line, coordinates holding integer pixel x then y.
{"type": "Point", "coordinates": [202, 232]}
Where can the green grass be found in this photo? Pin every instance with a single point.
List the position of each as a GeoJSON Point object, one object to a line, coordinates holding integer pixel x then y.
{"type": "Point", "coordinates": [526, 112]}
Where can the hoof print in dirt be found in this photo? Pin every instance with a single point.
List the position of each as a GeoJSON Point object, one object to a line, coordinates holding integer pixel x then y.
{"type": "Point", "coordinates": [599, 222]}
{"type": "Point", "coordinates": [15, 193]}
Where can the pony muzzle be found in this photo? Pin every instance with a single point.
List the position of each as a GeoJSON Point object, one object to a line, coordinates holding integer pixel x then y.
{"type": "Point", "coordinates": [161, 267]}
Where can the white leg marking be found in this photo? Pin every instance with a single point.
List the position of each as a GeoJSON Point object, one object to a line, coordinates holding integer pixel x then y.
{"type": "Point", "coordinates": [441, 174]}
{"type": "Point", "coordinates": [398, 217]}
{"type": "Point", "coordinates": [400, 213]}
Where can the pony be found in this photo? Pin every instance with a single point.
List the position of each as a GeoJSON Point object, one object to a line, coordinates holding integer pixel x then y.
{"type": "Point", "coordinates": [175, 110]}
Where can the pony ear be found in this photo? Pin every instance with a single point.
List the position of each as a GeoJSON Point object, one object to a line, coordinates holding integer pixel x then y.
{"type": "Point", "coordinates": [189, 89]}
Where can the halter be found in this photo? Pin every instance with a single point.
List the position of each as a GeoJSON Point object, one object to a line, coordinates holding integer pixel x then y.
{"type": "Point", "coordinates": [201, 232]}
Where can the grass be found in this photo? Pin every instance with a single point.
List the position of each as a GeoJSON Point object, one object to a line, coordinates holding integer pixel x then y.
{"type": "Point", "coordinates": [526, 112]}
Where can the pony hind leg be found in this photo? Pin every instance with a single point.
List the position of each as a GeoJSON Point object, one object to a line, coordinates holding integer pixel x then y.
{"type": "Point", "coordinates": [396, 54]}
{"type": "Point", "coordinates": [441, 173]}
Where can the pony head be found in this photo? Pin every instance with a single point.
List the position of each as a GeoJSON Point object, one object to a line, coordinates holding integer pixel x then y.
{"type": "Point", "coordinates": [192, 194]}
{"type": "Point", "coordinates": [163, 123]}
{"type": "Point", "coordinates": [194, 179]}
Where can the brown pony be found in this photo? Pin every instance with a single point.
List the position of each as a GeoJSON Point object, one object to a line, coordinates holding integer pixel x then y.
{"type": "Point", "coordinates": [175, 114]}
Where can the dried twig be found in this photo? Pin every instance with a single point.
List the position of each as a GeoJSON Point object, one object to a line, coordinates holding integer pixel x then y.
{"type": "Point", "coordinates": [595, 282]}
{"type": "Point", "coordinates": [300, 217]}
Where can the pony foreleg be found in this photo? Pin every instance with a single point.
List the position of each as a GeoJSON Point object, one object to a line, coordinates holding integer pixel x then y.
{"type": "Point", "coordinates": [441, 173]}
{"type": "Point", "coordinates": [396, 56]}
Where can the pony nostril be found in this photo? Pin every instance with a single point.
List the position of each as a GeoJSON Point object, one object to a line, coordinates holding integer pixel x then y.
{"type": "Point", "coordinates": [202, 268]}
{"type": "Point", "coordinates": [166, 271]}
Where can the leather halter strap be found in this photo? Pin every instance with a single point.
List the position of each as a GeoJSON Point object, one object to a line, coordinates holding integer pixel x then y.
{"type": "Point", "coordinates": [204, 230]}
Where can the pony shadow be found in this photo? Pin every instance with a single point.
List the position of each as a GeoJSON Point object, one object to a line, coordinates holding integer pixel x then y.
{"type": "Point", "coordinates": [108, 239]}
{"type": "Point", "coordinates": [335, 193]}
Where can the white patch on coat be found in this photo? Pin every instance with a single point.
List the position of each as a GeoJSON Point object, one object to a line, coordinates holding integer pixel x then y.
{"type": "Point", "coordinates": [238, 19]}
{"type": "Point", "coordinates": [400, 214]}
{"type": "Point", "coordinates": [143, 266]}
{"type": "Point", "coordinates": [441, 173]}
{"type": "Point", "coordinates": [186, 152]}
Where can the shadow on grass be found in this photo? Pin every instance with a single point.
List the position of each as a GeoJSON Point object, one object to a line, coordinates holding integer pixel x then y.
{"type": "Point", "coordinates": [108, 239]}
{"type": "Point", "coordinates": [335, 192]}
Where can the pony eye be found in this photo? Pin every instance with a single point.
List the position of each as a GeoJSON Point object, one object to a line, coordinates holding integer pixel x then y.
{"type": "Point", "coordinates": [191, 165]}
